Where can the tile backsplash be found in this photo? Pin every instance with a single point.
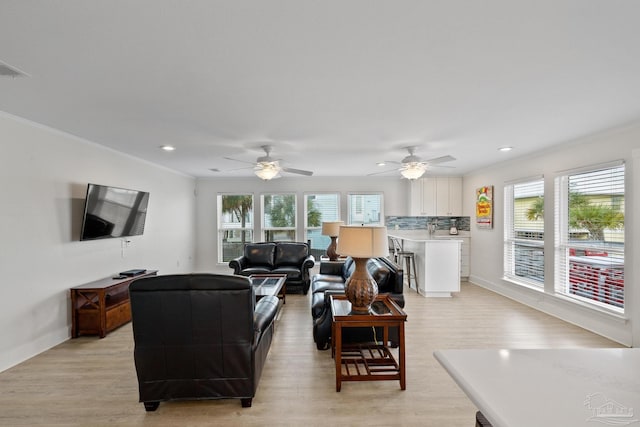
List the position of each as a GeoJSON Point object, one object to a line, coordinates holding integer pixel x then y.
{"type": "Point", "coordinates": [463, 223]}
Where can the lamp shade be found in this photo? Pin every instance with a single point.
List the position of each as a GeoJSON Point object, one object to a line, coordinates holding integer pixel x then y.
{"type": "Point", "coordinates": [331, 228]}
{"type": "Point", "coordinates": [363, 241]}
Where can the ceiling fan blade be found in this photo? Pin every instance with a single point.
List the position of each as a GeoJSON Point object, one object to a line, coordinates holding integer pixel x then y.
{"type": "Point", "coordinates": [439, 160]}
{"type": "Point", "coordinates": [241, 161]}
{"type": "Point", "coordinates": [383, 172]}
{"type": "Point", "coordinates": [298, 171]}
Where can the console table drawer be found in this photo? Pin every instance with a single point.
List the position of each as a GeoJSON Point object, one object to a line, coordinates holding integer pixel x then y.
{"type": "Point", "coordinates": [118, 315]}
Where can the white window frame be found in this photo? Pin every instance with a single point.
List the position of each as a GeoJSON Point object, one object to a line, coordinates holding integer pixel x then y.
{"type": "Point", "coordinates": [350, 200]}
{"type": "Point", "coordinates": [514, 241]}
{"type": "Point", "coordinates": [263, 227]}
{"type": "Point", "coordinates": [335, 217]}
{"type": "Point", "coordinates": [222, 229]}
{"type": "Point", "coordinates": [579, 281]}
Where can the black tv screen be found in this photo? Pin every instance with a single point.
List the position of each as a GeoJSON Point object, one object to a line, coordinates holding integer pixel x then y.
{"type": "Point", "coordinates": [113, 212]}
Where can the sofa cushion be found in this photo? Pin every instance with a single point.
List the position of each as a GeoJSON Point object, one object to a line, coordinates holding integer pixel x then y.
{"type": "Point", "coordinates": [291, 253]}
{"type": "Point", "coordinates": [260, 254]}
{"type": "Point", "coordinates": [320, 286]}
{"type": "Point", "coordinates": [255, 270]}
{"type": "Point", "coordinates": [293, 273]}
{"type": "Point", "coordinates": [320, 281]}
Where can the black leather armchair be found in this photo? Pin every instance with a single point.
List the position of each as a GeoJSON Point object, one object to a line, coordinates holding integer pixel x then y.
{"type": "Point", "coordinates": [199, 336]}
{"type": "Point", "coordinates": [290, 258]}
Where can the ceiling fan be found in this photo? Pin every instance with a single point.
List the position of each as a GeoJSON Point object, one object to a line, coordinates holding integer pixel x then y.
{"type": "Point", "coordinates": [266, 167]}
{"type": "Point", "coordinates": [413, 167]}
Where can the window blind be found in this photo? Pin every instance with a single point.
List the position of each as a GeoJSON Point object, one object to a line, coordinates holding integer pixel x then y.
{"type": "Point", "coordinates": [589, 244]}
{"type": "Point", "coordinates": [365, 209]}
{"type": "Point", "coordinates": [235, 224]}
{"type": "Point", "coordinates": [524, 233]}
{"type": "Point", "coordinates": [328, 207]}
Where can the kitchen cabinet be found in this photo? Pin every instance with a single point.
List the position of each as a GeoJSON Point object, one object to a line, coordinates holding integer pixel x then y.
{"type": "Point", "coordinates": [436, 196]}
{"type": "Point", "coordinates": [464, 254]}
{"type": "Point", "coordinates": [448, 196]}
{"type": "Point", "coordinates": [437, 261]}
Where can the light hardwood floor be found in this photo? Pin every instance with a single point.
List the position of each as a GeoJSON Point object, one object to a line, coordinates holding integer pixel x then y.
{"type": "Point", "coordinates": [91, 382]}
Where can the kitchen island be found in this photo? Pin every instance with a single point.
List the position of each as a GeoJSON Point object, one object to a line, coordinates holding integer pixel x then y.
{"type": "Point", "coordinates": [549, 387]}
{"type": "Point", "coordinates": [437, 260]}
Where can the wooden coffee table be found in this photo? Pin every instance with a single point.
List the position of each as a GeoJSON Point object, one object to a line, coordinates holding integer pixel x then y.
{"type": "Point", "coordinates": [270, 284]}
{"type": "Point", "coordinates": [368, 361]}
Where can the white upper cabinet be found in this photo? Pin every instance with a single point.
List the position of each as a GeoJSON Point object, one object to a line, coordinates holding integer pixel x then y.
{"type": "Point", "coordinates": [449, 196]}
{"type": "Point", "coordinates": [436, 196]}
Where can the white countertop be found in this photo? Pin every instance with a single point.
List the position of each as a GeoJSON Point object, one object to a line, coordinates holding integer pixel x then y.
{"type": "Point", "coordinates": [552, 387]}
{"type": "Point", "coordinates": [424, 235]}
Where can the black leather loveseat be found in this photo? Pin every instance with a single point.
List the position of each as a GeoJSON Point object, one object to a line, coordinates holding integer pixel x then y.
{"type": "Point", "coordinates": [331, 280]}
{"type": "Point", "coordinates": [199, 336]}
{"type": "Point", "coordinates": [290, 258]}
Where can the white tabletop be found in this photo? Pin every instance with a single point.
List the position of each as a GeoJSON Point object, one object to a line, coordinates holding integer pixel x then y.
{"type": "Point", "coordinates": [554, 387]}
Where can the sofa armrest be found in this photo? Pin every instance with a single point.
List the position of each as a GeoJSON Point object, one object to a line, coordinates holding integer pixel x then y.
{"type": "Point", "coordinates": [332, 267]}
{"type": "Point", "coordinates": [398, 285]}
{"type": "Point", "coordinates": [263, 315]}
{"type": "Point", "coordinates": [238, 264]}
{"type": "Point", "coordinates": [308, 262]}
{"type": "Point", "coordinates": [396, 282]}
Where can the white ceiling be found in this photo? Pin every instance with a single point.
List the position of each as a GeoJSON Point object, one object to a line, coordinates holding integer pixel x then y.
{"type": "Point", "coordinates": [334, 85]}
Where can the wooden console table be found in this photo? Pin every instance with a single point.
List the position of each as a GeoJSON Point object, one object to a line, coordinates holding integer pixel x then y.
{"type": "Point", "coordinates": [101, 306]}
{"type": "Point", "coordinates": [368, 361]}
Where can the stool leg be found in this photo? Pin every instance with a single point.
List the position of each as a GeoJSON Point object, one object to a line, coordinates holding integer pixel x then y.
{"type": "Point", "coordinates": [415, 274]}
{"type": "Point", "coordinates": [407, 261]}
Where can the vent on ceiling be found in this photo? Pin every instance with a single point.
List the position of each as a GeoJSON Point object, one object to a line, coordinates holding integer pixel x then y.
{"type": "Point", "coordinates": [9, 71]}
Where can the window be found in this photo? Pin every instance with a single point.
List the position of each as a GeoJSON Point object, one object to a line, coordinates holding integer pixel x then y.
{"type": "Point", "coordinates": [235, 224]}
{"type": "Point", "coordinates": [524, 232]}
{"type": "Point", "coordinates": [279, 217]}
{"type": "Point", "coordinates": [589, 243]}
{"type": "Point", "coordinates": [365, 209]}
{"type": "Point", "coordinates": [320, 208]}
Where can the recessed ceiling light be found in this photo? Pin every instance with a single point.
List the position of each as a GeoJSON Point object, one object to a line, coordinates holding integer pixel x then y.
{"type": "Point", "coordinates": [381, 163]}
{"type": "Point", "coordinates": [505, 149]}
{"type": "Point", "coordinates": [168, 147]}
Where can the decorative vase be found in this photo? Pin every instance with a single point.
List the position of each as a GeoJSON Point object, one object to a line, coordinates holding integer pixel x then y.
{"type": "Point", "coordinates": [361, 290]}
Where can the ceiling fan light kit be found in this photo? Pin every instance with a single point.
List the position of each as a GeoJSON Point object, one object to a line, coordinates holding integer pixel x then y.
{"type": "Point", "coordinates": [267, 170]}
{"type": "Point", "coordinates": [413, 167]}
{"type": "Point", "coordinates": [413, 170]}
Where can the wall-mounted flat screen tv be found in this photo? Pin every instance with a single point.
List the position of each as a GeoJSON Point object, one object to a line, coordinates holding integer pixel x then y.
{"type": "Point", "coordinates": [113, 212]}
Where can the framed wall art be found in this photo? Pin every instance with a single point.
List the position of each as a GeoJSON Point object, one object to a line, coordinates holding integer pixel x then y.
{"type": "Point", "coordinates": [484, 207]}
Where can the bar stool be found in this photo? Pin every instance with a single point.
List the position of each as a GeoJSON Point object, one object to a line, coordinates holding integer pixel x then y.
{"type": "Point", "coordinates": [407, 258]}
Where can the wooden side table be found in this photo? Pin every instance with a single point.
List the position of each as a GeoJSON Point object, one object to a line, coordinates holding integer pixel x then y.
{"type": "Point", "coordinates": [368, 361]}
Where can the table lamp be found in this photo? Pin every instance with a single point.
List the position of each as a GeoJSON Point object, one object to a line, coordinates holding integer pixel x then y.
{"type": "Point", "coordinates": [362, 243]}
{"type": "Point", "coordinates": [331, 229]}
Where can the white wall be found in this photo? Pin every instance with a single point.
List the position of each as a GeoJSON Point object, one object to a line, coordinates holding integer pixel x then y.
{"type": "Point", "coordinates": [395, 202]}
{"type": "Point", "coordinates": [43, 179]}
{"type": "Point", "coordinates": [487, 245]}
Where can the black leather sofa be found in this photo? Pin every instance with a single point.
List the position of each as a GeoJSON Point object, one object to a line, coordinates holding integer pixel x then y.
{"type": "Point", "coordinates": [331, 280]}
{"type": "Point", "coordinates": [290, 258]}
{"type": "Point", "coordinates": [199, 336]}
